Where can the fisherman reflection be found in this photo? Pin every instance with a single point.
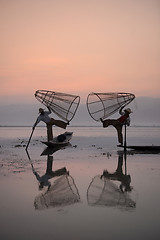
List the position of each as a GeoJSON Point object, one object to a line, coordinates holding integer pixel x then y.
{"type": "Point", "coordinates": [44, 179]}
{"type": "Point", "coordinates": [59, 191]}
{"type": "Point", "coordinates": [120, 176]}
{"type": "Point", "coordinates": [105, 190]}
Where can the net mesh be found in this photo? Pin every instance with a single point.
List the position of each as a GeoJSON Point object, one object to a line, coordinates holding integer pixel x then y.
{"type": "Point", "coordinates": [102, 105]}
{"type": "Point", "coordinates": [62, 192]}
{"type": "Point", "coordinates": [105, 192]}
{"type": "Point", "coordinates": [62, 104]}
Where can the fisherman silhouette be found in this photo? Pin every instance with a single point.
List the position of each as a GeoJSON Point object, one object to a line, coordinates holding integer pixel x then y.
{"type": "Point", "coordinates": [118, 123]}
{"type": "Point", "coordinates": [44, 116]}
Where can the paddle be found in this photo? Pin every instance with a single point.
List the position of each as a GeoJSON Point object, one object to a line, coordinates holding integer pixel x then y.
{"type": "Point", "coordinates": [30, 138]}
{"type": "Point", "coordinates": [31, 133]}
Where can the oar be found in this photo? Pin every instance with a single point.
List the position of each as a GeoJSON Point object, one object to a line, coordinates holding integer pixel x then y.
{"type": "Point", "coordinates": [33, 170]}
{"type": "Point", "coordinates": [30, 137]}
{"type": "Point", "coordinates": [31, 133]}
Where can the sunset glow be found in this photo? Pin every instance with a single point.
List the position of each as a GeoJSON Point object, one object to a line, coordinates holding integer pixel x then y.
{"type": "Point", "coordinates": [79, 47]}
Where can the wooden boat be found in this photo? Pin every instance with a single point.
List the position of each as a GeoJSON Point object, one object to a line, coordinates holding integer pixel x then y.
{"type": "Point", "coordinates": [147, 148]}
{"type": "Point", "coordinates": [60, 140]}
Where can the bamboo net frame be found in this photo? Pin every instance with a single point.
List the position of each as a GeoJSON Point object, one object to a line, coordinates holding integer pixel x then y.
{"type": "Point", "coordinates": [103, 105]}
{"type": "Point", "coordinates": [62, 104]}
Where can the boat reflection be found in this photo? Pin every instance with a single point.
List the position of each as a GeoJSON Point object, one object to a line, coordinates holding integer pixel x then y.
{"type": "Point", "coordinates": [57, 186]}
{"type": "Point", "coordinates": [112, 189]}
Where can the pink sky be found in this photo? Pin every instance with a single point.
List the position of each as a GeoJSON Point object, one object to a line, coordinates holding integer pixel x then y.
{"type": "Point", "coordinates": [79, 46]}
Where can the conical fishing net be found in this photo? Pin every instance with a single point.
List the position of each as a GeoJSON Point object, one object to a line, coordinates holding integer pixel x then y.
{"type": "Point", "coordinates": [102, 105]}
{"type": "Point", "coordinates": [105, 192]}
{"type": "Point", "coordinates": [62, 104]}
{"type": "Point", "coordinates": [62, 192]}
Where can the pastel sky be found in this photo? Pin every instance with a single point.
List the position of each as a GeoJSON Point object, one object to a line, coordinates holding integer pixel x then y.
{"type": "Point", "coordinates": [79, 46]}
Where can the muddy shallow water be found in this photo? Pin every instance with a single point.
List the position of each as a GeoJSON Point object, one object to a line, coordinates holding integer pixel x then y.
{"type": "Point", "coordinates": [89, 189]}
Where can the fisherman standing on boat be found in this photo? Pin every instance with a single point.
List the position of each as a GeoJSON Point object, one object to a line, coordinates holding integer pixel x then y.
{"type": "Point", "coordinates": [44, 116]}
{"type": "Point", "coordinates": [118, 123]}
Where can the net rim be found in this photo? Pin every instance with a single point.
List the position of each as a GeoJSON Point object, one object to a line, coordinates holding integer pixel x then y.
{"type": "Point", "coordinates": [77, 97]}
{"type": "Point", "coordinates": [98, 94]}
{"type": "Point", "coordinates": [53, 94]}
{"type": "Point", "coordinates": [88, 104]}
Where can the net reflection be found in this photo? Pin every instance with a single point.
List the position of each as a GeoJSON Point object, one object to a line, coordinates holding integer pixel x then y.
{"type": "Point", "coordinates": [112, 189]}
{"type": "Point", "coordinates": [57, 187]}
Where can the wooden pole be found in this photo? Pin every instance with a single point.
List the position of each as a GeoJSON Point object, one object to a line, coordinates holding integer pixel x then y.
{"type": "Point", "coordinates": [125, 162]}
{"type": "Point", "coordinates": [125, 137]}
{"type": "Point", "coordinates": [30, 138]}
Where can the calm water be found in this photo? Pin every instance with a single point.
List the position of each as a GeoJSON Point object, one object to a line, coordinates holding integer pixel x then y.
{"type": "Point", "coordinates": [94, 190]}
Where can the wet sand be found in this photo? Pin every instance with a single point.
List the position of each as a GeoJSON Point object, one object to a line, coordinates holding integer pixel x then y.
{"type": "Point", "coordinates": [88, 189]}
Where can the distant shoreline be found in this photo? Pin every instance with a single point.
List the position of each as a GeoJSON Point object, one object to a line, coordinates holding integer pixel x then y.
{"type": "Point", "coordinates": [10, 126]}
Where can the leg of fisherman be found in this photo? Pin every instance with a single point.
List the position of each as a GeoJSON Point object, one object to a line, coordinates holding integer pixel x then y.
{"type": "Point", "coordinates": [118, 127]}
{"type": "Point", "coordinates": [108, 122]}
{"type": "Point", "coordinates": [49, 132]}
{"type": "Point", "coordinates": [58, 123]}
{"type": "Point", "coordinates": [49, 164]}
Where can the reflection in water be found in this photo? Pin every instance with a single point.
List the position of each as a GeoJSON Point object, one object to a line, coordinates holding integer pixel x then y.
{"type": "Point", "coordinates": [57, 187]}
{"type": "Point", "coordinates": [118, 175]}
{"type": "Point", "coordinates": [105, 190]}
{"type": "Point", "coordinates": [44, 179]}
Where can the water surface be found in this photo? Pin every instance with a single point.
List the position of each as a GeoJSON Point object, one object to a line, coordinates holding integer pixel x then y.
{"type": "Point", "coordinates": [94, 190]}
